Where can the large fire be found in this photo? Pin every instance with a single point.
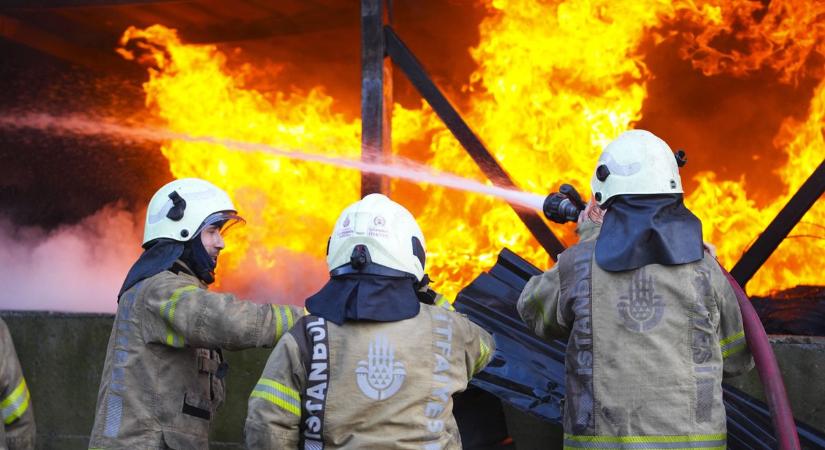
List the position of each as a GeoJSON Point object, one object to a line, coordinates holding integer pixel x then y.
{"type": "Point", "coordinates": [554, 83]}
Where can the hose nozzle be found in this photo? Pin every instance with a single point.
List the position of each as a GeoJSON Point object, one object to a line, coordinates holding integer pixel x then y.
{"type": "Point", "coordinates": [563, 206]}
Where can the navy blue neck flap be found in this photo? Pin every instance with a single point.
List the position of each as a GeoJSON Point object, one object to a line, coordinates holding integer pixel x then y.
{"type": "Point", "coordinates": [196, 256]}
{"type": "Point", "coordinates": [648, 229]}
{"type": "Point", "coordinates": [154, 260]}
{"type": "Point", "coordinates": [365, 297]}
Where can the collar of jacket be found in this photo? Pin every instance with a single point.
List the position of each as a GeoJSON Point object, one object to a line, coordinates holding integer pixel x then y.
{"type": "Point", "coordinates": [151, 262]}
{"type": "Point", "coordinates": [648, 229]}
{"type": "Point", "coordinates": [180, 268]}
{"type": "Point", "coordinates": [365, 297]}
{"type": "Point", "coordinates": [588, 230]}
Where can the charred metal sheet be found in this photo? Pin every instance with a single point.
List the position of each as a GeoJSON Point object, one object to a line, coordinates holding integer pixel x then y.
{"type": "Point", "coordinates": [528, 372]}
{"type": "Point", "coordinates": [797, 311]}
{"type": "Point", "coordinates": [412, 68]}
{"type": "Point", "coordinates": [781, 225]}
{"type": "Point", "coordinates": [376, 93]}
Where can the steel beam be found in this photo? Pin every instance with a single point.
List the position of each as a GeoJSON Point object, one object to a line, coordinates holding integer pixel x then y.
{"type": "Point", "coordinates": [779, 228]}
{"type": "Point", "coordinates": [20, 31]}
{"type": "Point", "coordinates": [376, 92]}
{"type": "Point", "coordinates": [412, 68]}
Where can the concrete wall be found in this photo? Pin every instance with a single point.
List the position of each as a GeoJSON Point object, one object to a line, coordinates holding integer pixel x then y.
{"type": "Point", "coordinates": [62, 357]}
{"type": "Point", "coordinates": [802, 362]}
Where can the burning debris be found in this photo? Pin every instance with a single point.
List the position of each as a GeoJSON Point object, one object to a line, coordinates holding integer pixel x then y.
{"type": "Point", "coordinates": [552, 83]}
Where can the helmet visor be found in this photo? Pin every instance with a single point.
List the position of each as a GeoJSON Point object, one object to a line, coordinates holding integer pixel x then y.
{"type": "Point", "coordinates": [224, 220]}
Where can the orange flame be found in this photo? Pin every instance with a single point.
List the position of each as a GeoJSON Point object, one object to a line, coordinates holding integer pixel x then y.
{"type": "Point", "coordinates": [554, 83]}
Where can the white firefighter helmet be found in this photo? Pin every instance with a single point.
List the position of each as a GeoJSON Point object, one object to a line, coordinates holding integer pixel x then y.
{"type": "Point", "coordinates": [636, 162]}
{"type": "Point", "coordinates": [180, 209]}
{"type": "Point", "coordinates": [384, 233]}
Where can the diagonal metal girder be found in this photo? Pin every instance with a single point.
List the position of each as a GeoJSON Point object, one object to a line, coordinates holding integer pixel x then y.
{"type": "Point", "coordinates": [415, 72]}
{"type": "Point", "coordinates": [778, 229]}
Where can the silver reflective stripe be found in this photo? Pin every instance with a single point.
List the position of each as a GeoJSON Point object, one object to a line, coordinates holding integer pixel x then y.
{"type": "Point", "coordinates": [733, 346]}
{"type": "Point", "coordinates": [313, 445]}
{"type": "Point", "coordinates": [114, 414]}
{"type": "Point", "coordinates": [280, 398]}
{"type": "Point", "coordinates": [284, 319]}
{"type": "Point", "coordinates": [9, 411]}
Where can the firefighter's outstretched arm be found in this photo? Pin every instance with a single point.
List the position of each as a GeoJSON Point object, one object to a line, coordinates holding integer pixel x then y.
{"type": "Point", "coordinates": [736, 356]}
{"type": "Point", "coordinates": [15, 401]}
{"type": "Point", "coordinates": [274, 410]}
{"type": "Point", "coordinates": [538, 305]}
{"type": "Point", "coordinates": [182, 314]}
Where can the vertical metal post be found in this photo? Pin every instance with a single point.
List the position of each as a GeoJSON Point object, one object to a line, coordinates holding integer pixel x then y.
{"type": "Point", "coordinates": [376, 92]}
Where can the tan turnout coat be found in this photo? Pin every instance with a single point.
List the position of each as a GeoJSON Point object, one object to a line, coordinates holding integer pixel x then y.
{"type": "Point", "coordinates": [647, 348]}
{"type": "Point", "coordinates": [18, 431]}
{"type": "Point", "coordinates": [367, 385]}
{"type": "Point", "coordinates": [163, 376]}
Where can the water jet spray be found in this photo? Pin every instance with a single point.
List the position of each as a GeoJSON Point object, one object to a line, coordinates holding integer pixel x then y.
{"type": "Point", "coordinates": [397, 168]}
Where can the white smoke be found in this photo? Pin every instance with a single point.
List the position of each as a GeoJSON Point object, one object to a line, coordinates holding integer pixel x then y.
{"type": "Point", "coordinates": [77, 268]}
{"type": "Point", "coordinates": [292, 278]}
{"type": "Point", "coordinates": [80, 268]}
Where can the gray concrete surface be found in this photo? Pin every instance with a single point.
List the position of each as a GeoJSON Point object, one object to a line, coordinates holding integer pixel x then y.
{"type": "Point", "coordinates": [802, 362]}
{"type": "Point", "coordinates": [62, 357]}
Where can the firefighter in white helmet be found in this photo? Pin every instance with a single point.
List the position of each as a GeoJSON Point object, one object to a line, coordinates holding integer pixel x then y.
{"type": "Point", "coordinates": [651, 321]}
{"type": "Point", "coordinates": [164, 373]}
{"type": "Point", "coordinates": [18, 430]}
{"type": "Point", "coordinates": [370, 366]}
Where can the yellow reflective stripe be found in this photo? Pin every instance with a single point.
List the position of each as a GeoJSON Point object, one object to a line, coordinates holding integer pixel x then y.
{"type": "Point", "coordinates": [695, 441]}
{"type": "Point", "coordinates": [168, 311]}
{"type": "Point", "coordinates": [732, 338]}
{"type": "Point", "coordinates": [482, 357]}
{"type": "Point", "coordinates": [644, 439]}
{"type": "Point", "coordinates": [289, 319]}
{"type": "Point", "coordinates": [733, 344]}
{"type": "Point", "coordinates": [173, 300]}
{"type": "Point", "coordinates": [16, 404]}
{"type": "Point", "coordinates": [279, 326]}
{"type": "Point", "coordinates": [733, 350]}
{"type": "Point", "coordinates": [280, 388]}
{"type": "Point", "coordinates": [442, 302]}
{"type": "Point", "coordinates": [278, 394]}
{"type": "Point", "coordinates": [283, 320]}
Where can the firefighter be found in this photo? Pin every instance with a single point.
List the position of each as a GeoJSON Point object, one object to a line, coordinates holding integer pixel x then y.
{"type": "Point", "coordinates": [370, 366]}
{"type": "Point", "coordinates": [164, 373]}
{"type": "Point", "coordinates": [18, 432]}
{"type": "Point", "coordinates": [651, 321]}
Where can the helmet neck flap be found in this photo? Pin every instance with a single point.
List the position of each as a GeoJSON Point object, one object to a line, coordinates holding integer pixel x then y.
{"type": "Point", "coordinates": [648, 229]}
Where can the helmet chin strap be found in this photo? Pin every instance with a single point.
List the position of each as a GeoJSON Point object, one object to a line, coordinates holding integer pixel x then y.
{"type": "Point", "coordinates": [196, 256]}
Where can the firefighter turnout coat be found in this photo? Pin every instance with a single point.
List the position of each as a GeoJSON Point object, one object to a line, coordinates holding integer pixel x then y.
{"type": "Point", "coordinates": [367, 385]}
{"type": "Point", "coordinates": [18, 430]}
{"type": "Point", "coordinates": [646, 351]}
{"type": "Point", "coordinates": [163, 376]}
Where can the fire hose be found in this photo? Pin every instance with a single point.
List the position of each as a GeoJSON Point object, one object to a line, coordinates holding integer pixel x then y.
{"type": "Point", "coordinates": [768, 370]}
